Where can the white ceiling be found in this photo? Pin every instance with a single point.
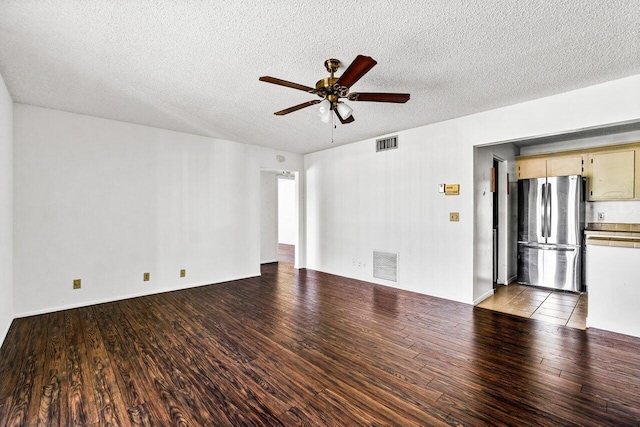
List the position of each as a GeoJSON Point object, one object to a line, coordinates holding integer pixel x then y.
{"type": "Point", "coordinates": [193, 66]}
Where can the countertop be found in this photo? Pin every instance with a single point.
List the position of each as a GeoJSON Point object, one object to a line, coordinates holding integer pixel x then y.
{"type": "Point", "coordinates": [613, 234]}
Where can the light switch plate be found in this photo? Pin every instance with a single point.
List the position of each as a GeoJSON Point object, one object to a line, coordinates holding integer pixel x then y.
{"type": "Point", "coordinates": [183, 273]}
{"type": "Point", "coordinates": [454, 216]}
{"type": "Point", "coordinates": [145, 277]}
{"type": "Point", "coordinates": [77, 283]}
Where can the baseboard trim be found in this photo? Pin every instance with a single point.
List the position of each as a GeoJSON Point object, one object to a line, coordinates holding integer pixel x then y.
{"type": "Point", "coordinates": [5, 332]}
{"type": "Point", "coordinates": [123, 297]}
{"type": "Point", "coordinates": [483, 297]}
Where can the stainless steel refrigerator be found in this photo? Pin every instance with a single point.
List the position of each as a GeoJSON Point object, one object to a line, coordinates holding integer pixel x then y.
{"type": "Point", "coordinates": [550, 232]}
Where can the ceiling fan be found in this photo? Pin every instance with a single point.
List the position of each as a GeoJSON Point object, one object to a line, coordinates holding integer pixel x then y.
{"type": "Point", "coordinates": [331, 89]}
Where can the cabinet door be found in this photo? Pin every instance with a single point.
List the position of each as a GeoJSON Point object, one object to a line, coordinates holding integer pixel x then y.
{"type": "Point", "coordinates": [531, 168]}
{"type": "Point", "coordinates": [564, 165]}
{"type": "Point", "coordinates": [612, 175]}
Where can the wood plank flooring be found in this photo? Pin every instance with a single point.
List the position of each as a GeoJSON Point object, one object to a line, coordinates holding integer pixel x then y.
{"type": "Point", "coordinates": [307, 348]}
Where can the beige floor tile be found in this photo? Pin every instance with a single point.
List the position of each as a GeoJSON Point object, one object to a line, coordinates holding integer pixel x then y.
{"type": "Point", "coordinates": [490, 304]}
{"type": "Point", "coordinates": [564, 297]}
{"type": "Point", "coordinates": [552, 305]}
{"type": "Point", "coordinates": [532, 298]}
{"type": "Point", "coordinates": [548, 319]}
{"type": "Point", "coordinates": [547, 305]}
{"type": "Point", "coordinates": [577, 324]}
{"type": "Point", "coordinates": [554, 313]}
{"type": "Point", "coordinates": [518, 311]}
{"type": "Point", "coordinates": [558, 302]}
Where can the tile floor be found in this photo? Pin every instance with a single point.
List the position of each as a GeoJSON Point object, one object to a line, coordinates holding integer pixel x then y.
{"type": "Point", "coordinates": [561, 308]}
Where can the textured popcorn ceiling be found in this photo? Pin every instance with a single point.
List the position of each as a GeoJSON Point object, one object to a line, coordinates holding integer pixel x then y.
{"type": "Point", "coordinates": [193, 66]}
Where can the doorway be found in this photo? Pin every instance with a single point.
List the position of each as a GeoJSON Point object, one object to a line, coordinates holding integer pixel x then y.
{"type": "Point", "coordinates": [287, 218]}
{"type": "Point", "coordinates": [279, 219]}
{"type": "Point", "coordinates": [496, 219]}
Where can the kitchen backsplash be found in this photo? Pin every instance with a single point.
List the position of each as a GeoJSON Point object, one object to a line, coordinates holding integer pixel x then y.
{"type": "Point", "coordinates": [614, 211]}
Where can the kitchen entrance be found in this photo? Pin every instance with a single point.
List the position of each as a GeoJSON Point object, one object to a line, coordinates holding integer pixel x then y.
{"type": "Point", "coordinates": [548, 305]}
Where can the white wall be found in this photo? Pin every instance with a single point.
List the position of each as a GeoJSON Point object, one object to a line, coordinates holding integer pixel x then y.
{"type": "Point", "coordinates": [359, 200]}
{"type": "Point", "coordinates": [268, 217]}
{"type": "Point", "coordinates": [106, 201]}
{"type": "Point", "coordinates": [287, 215]}
{"type": "Point", "coordinates": [6, 210]}
{"type": "Point", "coordinates": [627, 211]}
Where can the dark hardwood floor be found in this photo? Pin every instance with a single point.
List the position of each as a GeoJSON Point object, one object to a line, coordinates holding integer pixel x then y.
{"type": "Point", "coordinates": [308, 348]}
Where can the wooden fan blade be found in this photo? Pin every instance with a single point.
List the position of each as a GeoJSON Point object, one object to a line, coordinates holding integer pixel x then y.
{"type": "Point", "coordinates": [344, 122]}
{"type": "Point", "coordinates": [297, 107]}
{"type": "Point", "coordinates": [286, 83]}
{"type": "Point", "coordinates": [379, 97]}
{"type": "Point", "coordinates": [358, 68]}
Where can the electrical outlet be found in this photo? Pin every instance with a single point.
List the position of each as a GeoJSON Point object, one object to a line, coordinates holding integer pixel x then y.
{"type": "Point", "coordinates": [77, 283]}
{"type": "Point", "coordinates": [145, 277]}
{"type": "Point", "coordinates": [600, 216]}
{"type": "Point", "coordinates": [454, 216]}
{"type": "Point", "coordinates": [183, 273]}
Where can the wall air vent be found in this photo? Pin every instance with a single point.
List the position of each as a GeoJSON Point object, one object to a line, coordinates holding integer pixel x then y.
{"type": "Point", "coordinates": [385, 144]}
{"type": "Point", "coordinates": [385, 265]}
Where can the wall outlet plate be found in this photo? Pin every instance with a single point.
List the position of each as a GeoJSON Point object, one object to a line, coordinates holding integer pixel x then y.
{"type": "Point", "coordinates": [77, 283]}
{"type": "Point", "coordinates": [145, 277]}
{"type": "Point", "coordinates": [600, 216]}
{"type": "Point", "coordinates": [183, 273]}
{"type": "Point", "coordinates": [454, 216]}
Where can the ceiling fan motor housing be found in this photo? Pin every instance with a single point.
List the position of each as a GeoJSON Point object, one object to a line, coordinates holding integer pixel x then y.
{"type": "Point", "coordinates": [326, 88]}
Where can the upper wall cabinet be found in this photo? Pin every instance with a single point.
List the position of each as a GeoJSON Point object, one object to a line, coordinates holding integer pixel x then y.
{"type": "Point", "coordinates": [565, 165]}
{"type": "Point", "coordinates": [531, 168]}
{"type": "Point", "coordinates": [540, 167]}
{"type": "Point", "coordinates": [612, 175]}
{"type": "Point", "coordinates": [613, 172]}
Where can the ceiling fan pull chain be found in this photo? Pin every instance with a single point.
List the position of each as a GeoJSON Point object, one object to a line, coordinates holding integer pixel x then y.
{"type": "Point", "coordinates": [333, 125]}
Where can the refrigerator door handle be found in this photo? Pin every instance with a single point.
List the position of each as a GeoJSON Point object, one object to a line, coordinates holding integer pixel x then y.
{"type": "Point", "coordinates": [549, 210]}
{"type": "Point", "coordinates": [543, 211]}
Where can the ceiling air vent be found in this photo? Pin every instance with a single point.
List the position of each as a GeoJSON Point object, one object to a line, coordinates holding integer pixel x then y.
{"type": "Point", "coordinates": [385, 265]}
{"type": "Point", "coordinates": [385, 144]}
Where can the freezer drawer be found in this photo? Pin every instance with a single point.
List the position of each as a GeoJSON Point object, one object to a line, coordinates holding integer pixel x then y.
{"type": "Point", "coordinates": [530, 264]}
{"type": "Point", "coordinates": [550, 266]}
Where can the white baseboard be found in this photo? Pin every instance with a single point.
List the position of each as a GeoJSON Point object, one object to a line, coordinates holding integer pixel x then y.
{"type": "Point", "coordinates": [123, 297]}
{"type": "Point", "coordinates": [4, 333]}
{"type": "Point", "coordinates": [483, 297]}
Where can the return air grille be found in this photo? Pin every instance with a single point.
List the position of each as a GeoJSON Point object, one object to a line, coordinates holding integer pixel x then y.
{"type": "Point", "coordinates": [385, 144]}
{"type": "Point", "coordinates": [385, 265]}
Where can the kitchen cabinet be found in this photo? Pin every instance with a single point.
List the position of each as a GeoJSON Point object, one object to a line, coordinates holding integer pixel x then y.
{"type": "Point", "coordinates": [531, 168]}
{"type": "Point", "coordinates": [612, 172]}
{"type": "Point", "coordinates": [565, 165]}
{"type": "Point", "coordinates": [557, 165]}
{"type": "Point", "coordinates": [612, 175]}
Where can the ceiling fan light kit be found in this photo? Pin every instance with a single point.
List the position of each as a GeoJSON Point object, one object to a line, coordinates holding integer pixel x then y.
{"type": "Point", "coordinates": [331, 89]}
{"type": "Point", "coordinates": [344, 110]}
